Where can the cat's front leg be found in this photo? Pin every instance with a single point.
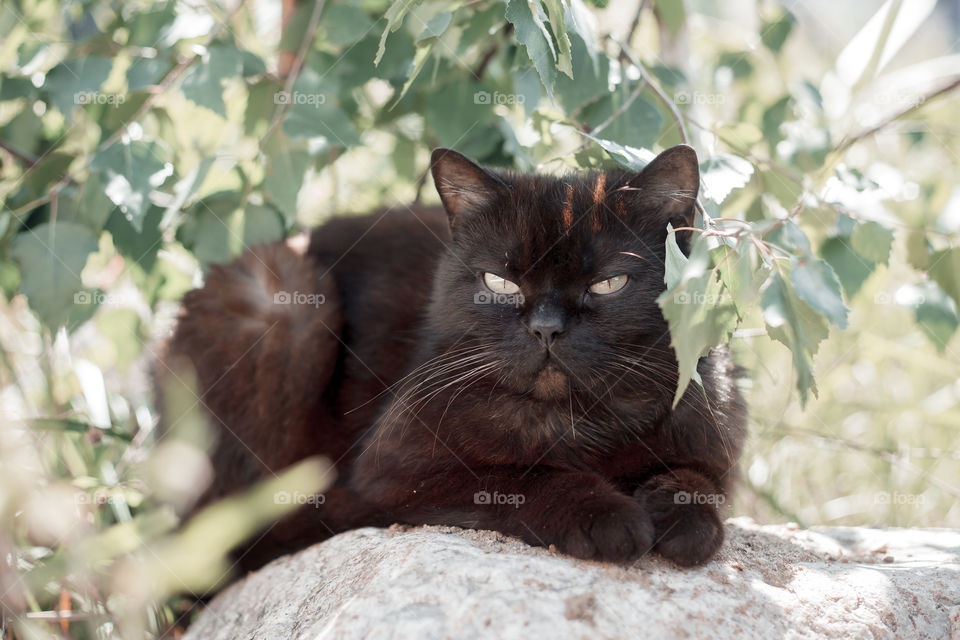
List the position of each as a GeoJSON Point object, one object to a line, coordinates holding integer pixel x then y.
{"type": "Point", "coordinates": [578, 513]}
{"type": "Point", "coordinates": [684, 506]}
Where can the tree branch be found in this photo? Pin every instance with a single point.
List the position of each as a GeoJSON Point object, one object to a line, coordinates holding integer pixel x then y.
{"type": "Point", "coordinates": [667, 102]}
{"type": "Point", "coordinates": [26, 159]}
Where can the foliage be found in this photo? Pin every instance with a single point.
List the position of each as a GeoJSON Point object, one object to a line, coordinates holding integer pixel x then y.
{"type": "Point", "coordinates": [144, 141]}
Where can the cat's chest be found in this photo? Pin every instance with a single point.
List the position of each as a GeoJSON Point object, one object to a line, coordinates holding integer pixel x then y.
{"type": "Point", "coordinates": [555, 435]}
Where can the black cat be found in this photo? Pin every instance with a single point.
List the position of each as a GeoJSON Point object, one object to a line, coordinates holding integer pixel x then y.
{"type": "Point", "coordinates": [503, 365]}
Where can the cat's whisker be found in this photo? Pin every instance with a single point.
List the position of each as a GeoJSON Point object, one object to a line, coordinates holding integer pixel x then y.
{"type": "Point", "coordinates": [419, 370]}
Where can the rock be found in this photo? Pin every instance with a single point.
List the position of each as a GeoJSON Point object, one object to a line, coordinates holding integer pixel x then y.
{"type": "Point", "coordinates": [443, 582]}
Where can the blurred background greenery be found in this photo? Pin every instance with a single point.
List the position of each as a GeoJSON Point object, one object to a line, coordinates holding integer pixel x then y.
{"type": "Point", "coordinates": [141, 142]}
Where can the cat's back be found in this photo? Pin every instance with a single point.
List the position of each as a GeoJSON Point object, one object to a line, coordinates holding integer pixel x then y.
{"type": "Point", "coordinates": [382, 264]}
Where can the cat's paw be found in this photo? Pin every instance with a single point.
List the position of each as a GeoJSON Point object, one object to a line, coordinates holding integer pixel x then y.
{"type": "Point", "coordinates": [686, 531]}
{"type": "Point", "coordinates": [608, 527]}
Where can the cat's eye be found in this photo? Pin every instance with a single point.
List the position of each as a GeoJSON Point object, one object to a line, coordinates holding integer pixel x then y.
{"type": "Point", "coordinates": [610, 285]}
{"type": "Point", "coordinates": [499, 285]}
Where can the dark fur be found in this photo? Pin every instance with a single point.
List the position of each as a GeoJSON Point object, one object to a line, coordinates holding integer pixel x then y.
{"type": "Point", "coordinates": [424, 399]}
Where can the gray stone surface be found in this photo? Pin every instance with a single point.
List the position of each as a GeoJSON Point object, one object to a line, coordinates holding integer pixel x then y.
{"type": "Point", "coordinates": [774, 581]}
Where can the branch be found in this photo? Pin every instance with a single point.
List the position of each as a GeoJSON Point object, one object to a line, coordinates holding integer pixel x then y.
{"type": "Point", "coordinates": [26, 159]}
{"type": "Point", "coordinates": [636, 21]}
{"type": "Point", "coordinates": [626, 105]}
{"type": "Point", "coordinates": [849, 142]}
{"type": "Point", "coordinates": [295, 69]}
{"type": "Point", "coordinates": [667, 102]}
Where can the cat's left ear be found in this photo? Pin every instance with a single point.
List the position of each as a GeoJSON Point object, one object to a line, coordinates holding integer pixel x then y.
{"type": "Point", "coordinates": [668, 186]}
{"type": "Point", "coordinates": [464, 187]}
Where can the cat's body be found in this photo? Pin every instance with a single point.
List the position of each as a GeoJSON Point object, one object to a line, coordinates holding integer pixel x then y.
{"type": "Point", "coordinates": [514, 374]}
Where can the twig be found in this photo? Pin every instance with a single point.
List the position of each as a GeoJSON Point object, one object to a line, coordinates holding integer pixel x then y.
{"type": "Point", "coordinates": [893, 457]}
{"type": "Point", "coordinates": [616, 114]}
{"type": "Point", "coordinates": [667, 102]}
{"type": "Point", "coordinates": [491, 52]}
{"type": "Point", "coordinates": [291, 79]}
{"type": "Point", "coordinates": [849, 142]}
{"type": "Point", "coordinates": [168, 80]}
{"type": "Point", "coordinates": [26, 159]}
{"type": "Point", "coordinates": [155, 94]}
{"type": "Point", "coordinates": [636, 20]}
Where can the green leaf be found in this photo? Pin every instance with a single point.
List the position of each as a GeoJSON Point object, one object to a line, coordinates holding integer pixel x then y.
{"type": "Point", "coordinates": [314, 114]}
{"type": "Point", "coordinates": [146, 72]}
{"type": "Point", "coordinates": [639, 125]}
{"type": "Point", "coordinates": [817, 285]}
{"type": "Point", "coordinates": [790, 237]}
{"type": "Point", "coordinates": [14, 88]}
{"type": "Point", "coordinates": [204, 84]}
{"type": "Point", "coordinates": [394, 16]}
{"type": "Point", "coordinates": [212, 229]}
{"type": "Point", "coordinates": [186, 187]}
{"type": "Point", "coordinates": [261, 105]}
{"type": "Point", "coordinates": [139, 245]}
{"type": "Point", "coordinates": [261, 224]}
{"type": "Point", "coordinates": [531, 31]}
{"type": "Point", "coordinates": [94, 207]}
{"type": "Point", "coordinates": [627, 157]}
{"type": "Point", "coordinates": [672, 12]}
{"type": "Point", "coordinates": [945, 269]}
{"type": "Point", "coordinates": [872, 241]}
{"type": "Point", "coordinates": [786, 191]}
{"type": "Point", "coordinates": [851, 268]}
{"type": "Point", "coordinates": [699, 312]}
{"type": "Point", "coordinates": [555, 13]}
{"type": "Point", "coordinates": [722, 173]}
{"type": "Point", "coordinates": [434, 28]}
{"type": "Point", "coordinates": [590, 83]}
{"type": "Point", "coordinates": [325, 121]}
{"type": "Point", "coordinates": [801, 329]}
{"type": "Point", "coordinates": [773, 117]}
{"type": "Point", "coordinates": [735, 266]}
{"type": "Point", "coordinates": [425, 43]}
{"type": "Point", "coordinates": [457, 109]}
{"type": "Point", "coordinates": [51, 257]}
{"type": "Point", "coordinates": [285, 172]}
{"type": "Point", "coordinates": [145, 27]}
{"type": "Point", "coordinates": [582, 22]}
{"type": "Point", "coordinates": [131, 170]}
{"type": "Point", "coordinates": [738, 62]}
{"type": "Point", "coordinates": [70, 80]}
{"type": "Point", "coordinates": [252, 64]}
{"type": "Point", "coordinates": [935, 311]}
{"type": "Point", "coordinates": [918, 249]}
{"type": "Point", "coordinates": [775, 33]}
{"type": "Point", "coordinates": [345, 24]}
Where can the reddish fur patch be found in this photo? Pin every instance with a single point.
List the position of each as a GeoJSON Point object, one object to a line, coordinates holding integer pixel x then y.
{"type": "Point", "coordinates": [599, 195]}
{"type": "Point", "coordinates": [568, 210]}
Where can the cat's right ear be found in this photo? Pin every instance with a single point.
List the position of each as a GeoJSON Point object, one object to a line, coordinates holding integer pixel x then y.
{"type": "Point", "coordinates": [464, 187]}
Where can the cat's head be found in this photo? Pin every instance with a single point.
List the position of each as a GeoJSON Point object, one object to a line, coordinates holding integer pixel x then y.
{"type": "Point", "coordinates": [555, 279]}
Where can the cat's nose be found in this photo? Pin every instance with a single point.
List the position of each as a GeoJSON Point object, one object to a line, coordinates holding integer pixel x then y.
{"type": "Point", "coordinates": [546, 324]}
